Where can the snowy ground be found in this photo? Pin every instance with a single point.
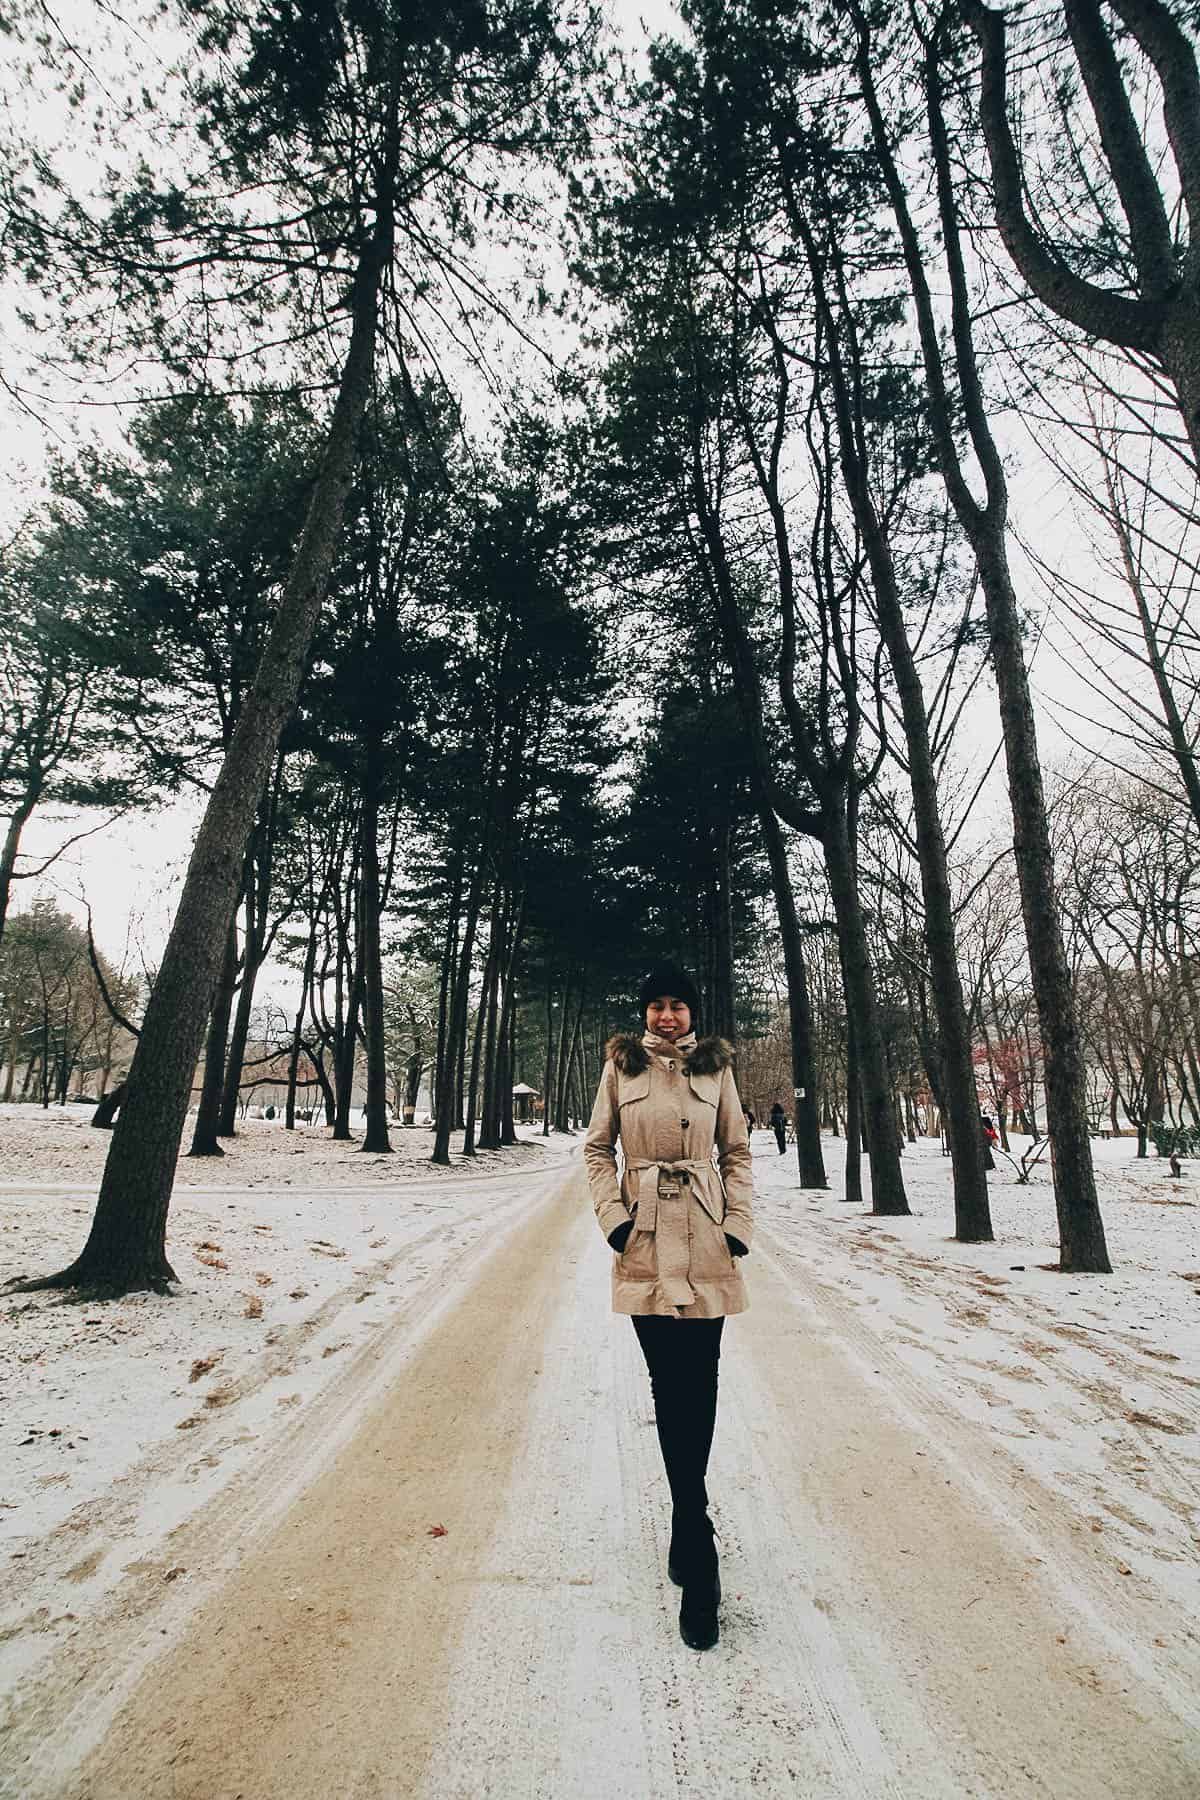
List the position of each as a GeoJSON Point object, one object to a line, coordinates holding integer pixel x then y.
{"type": "Point", "coordinates": [190, 1476]}
{"type": "Point", "coordinates": [117, 1421]}
{"type": "Point", "coordinates": [59, 1145]}
{"type": "Point", "coordinates": [1093, 1381]}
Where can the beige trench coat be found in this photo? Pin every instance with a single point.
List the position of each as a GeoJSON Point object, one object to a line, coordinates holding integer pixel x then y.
{"type": "Point", "coordinates": [669, 1112]}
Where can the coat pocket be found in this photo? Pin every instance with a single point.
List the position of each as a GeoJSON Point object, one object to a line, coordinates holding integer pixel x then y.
{"type": "Point", "coordinates": [709, 1256]}
{"type": "Point", "coordinates": [632, 1087]}
{"type": "Point", "coordinates": [639, 1260]}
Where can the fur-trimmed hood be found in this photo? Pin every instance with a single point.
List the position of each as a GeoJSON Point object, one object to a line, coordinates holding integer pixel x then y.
{"type": "Point", "coordinates": [708, 1057]}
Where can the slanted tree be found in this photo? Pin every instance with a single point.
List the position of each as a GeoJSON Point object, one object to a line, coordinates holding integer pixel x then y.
{"type": "Point", "coordinates": [349, 95]}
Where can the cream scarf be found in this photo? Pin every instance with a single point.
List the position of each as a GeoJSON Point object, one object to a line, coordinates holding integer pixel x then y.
{"type": "Point", "coordinates": [681, 1048]}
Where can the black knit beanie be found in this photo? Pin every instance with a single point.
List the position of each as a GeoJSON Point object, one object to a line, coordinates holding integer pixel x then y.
{"type": "Point", "coordinates": [669, 978]}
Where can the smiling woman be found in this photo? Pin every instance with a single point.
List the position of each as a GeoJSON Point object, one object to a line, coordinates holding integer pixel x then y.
{"type": "Point", "coordinates": [677, 1222]}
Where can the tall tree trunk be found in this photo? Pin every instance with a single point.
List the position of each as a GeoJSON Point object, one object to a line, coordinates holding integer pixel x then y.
{"type": "Point", "coordinates": [316, 1055]}
{"type": "Point", "coordinates": [449, 1115]}
{"type": "Point", "coordinates": [564, 1042]}
{"type": "Point", "coordinates": [489, 1132]}
{"type": "Point", "coordinates": [483, 1024]}
{"type": "Point", "coordinates": [17, 822]}
{"type": "Point", "coordinates": [204, 1137]}
{"type": "Point", "coordinates": [565, 1064]}
{"type": "Point", "coordinates": [548, 1073]}
{"type": "Point", "coordinates": [376, 1140]}
{"type": "Point", "coordinates": [809, 1156]}
{"type": "Point", "coordinates": [887, 1182]}
{"type": "Point", "coordinates": [310, 962]}
{"type": "Point", "coordinates": [126, 1247]}
{"type": "Point", "coordinates": [442, 1055]}
{"type": "Point", "coordinates": [235, 1056]}
{"type": "Point", "coordinates": [854, 1143]}
{"type": "Point", "coordinates": [508, 1123]}
{"type": "Point", "coordinates": [345, 1058]}
{"type": "Point", "coordinates": [500, 1120]}
{"type": "Point", "coordinates": [1081, 1232]}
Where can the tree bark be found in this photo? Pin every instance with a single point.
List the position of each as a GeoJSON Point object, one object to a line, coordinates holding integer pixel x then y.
{"type": "Point", "coordinates": [548, 1072]}
{"type": "Point", "coordinates": [235, 1054]}
{"type": "Point", "coordinates": [508, 1123]}
{"type": "Point", "coordinates": [204, 1136]}
{"type": "Point", "coordinates": [854, 1138]}
{"type": "Point", "coordinates": [887, 1182]}
{"type": "Point", "coordinates": [310, 962]}
{"type": "Point", "coordinates": [489, 1124]}
{"type": "Point", "coordinates": [345, 1059]}
{"type": "Point", "coordinates": [109, 1107]}
{"type": "Point", "coordinates": [8, 854]}
{"type": "Point", "coordinates": [483, 1022]}
{"type": "Point", "coordinates": [448, 1113]}
{"type": "Point", "coordinates": [126, 1247]}
{"type": "Point", "coordinates": [376, 1140]}
{"type": "Point", "coordinates": [1081, 1231]}
{"type": "Point", "coordinates": [809, 1156]}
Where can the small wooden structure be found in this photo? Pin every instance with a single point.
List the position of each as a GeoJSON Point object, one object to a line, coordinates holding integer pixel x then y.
{"type": "Point", "coordinates": [523, 1099]}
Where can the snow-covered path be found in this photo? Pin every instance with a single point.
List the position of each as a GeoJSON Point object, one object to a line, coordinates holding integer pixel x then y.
{"type": "Point", "coordinates": [910, 1610]}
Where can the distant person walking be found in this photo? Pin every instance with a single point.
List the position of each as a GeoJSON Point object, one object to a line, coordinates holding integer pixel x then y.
{"type": "Point", "coordinates": [990, 1138]}
{"type": "Point", "coordinates": [677, 1227]}
{"type": "Point", "coordinates": [779, 1126]}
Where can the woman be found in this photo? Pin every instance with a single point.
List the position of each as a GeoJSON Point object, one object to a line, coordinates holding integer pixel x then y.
{"type": "Point", "coordinates": [677, 1227]}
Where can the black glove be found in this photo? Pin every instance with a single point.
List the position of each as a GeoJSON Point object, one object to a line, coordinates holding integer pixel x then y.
{"type": "Point", "coordinates": [736, 1246]}
{"type": "Point", "coordinates": [620, 1237]}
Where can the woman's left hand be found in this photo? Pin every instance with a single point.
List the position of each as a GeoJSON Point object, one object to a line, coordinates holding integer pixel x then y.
{"type": "Point", "coordinates": [736, 1247]}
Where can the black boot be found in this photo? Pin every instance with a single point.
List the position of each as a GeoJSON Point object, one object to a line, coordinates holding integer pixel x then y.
{"type": "Point", "coordinates": [697, 1564]}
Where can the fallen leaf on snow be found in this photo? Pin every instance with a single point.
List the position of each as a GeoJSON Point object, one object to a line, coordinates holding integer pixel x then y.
{"type": "Point", "coordinates": [205, 1244]}
{"type": "Point", "coordinates": [253, 1307]}
{"type": "Point", "coordinates": [203, 1364]}
{"type": "Point", "coordinates": [191, 1420]}
{"type": "Point", "coordinates": [212, 1262]}
{"type": "Point", "coordinates": [437, 1531]}
{"type": "Point", "coordinates": [298, 1294]}
{"type": "Point", "coordinates": [262, 1278]}
{"type": "Point", "coordinates": [175, 1573]}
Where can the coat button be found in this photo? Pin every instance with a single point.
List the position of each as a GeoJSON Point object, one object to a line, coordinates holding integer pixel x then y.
{"type": "Point", "coordinates": [684, 1123]}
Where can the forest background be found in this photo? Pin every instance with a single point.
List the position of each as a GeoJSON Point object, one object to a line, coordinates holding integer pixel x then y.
{"type": "Point", "coordinates": [548, 513]}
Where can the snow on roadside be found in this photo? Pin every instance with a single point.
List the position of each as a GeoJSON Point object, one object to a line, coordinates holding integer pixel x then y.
{"type": "Point", "coordinates": [40, 1147]}
{"type": "Point", "coordinates": [1090, 1383]}
{"type": "Point", "coordinates": [118, 1420]}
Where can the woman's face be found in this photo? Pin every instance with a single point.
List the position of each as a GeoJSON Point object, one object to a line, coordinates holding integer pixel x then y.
{"type": "Point", "coordinates": [668, 1017]}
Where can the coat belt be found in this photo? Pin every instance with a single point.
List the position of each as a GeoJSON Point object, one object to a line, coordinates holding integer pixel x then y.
{"type": "Point", "coordinates": [647, 1207]}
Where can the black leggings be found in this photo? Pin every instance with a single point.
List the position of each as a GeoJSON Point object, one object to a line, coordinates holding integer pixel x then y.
{"type": "Point", "coordinates": [682, 1357]}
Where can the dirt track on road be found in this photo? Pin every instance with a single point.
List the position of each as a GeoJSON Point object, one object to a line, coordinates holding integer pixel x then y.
{"type": "Point", "coordinates": [907, 1614]}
